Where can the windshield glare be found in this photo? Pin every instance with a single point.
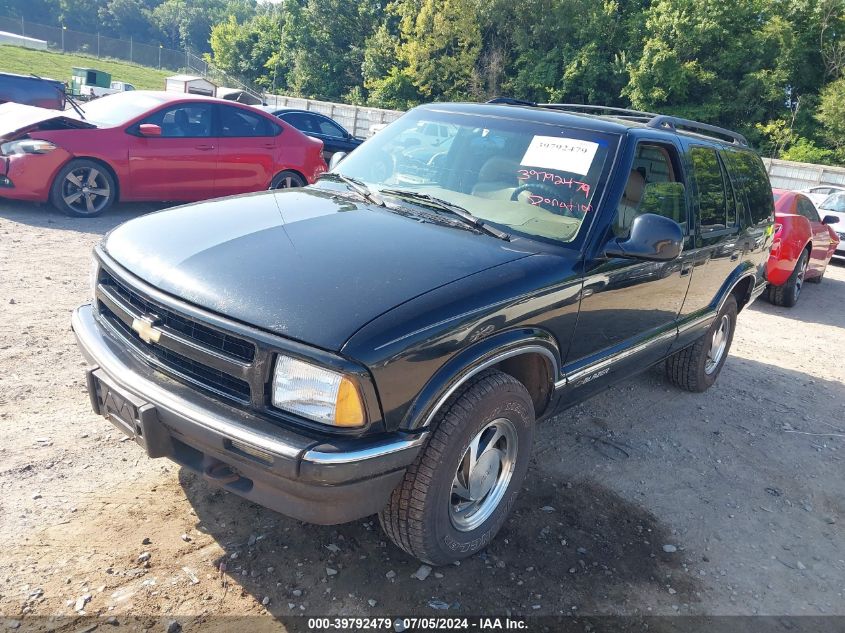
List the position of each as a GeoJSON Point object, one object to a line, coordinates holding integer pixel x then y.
{"type": "Point", "coordinates": [525, 177]}
{"type": "Point", "coordinates": [118, 108]}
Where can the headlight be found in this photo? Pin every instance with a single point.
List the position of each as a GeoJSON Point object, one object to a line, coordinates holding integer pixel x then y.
{"type": "Point", "coordinates": [316, 393]}
{"type": "Point", "coordinates": [93, 275]}
{"type": "Point", "coordinates": [26, 146]}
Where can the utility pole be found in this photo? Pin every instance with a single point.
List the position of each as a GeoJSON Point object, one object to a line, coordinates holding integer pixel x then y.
{"type": "Point", "coordinates": [98, 45]}
{"type": "Point", "coordinates": [159, 56]}
{"type": "Point", "coordinates": [130, 48]}
{"type": "Point", "coordinates": [64, 28]}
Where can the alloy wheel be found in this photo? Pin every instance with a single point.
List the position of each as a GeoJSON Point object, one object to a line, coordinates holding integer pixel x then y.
{"type": "Point", "coordinates": [483, 475]}
{"type": "Point", "coordinates": [799, 280]}
{"type": "Point", "coordinates": [718, 344]}
{"type": "Point", "coordinates": [86, 190]}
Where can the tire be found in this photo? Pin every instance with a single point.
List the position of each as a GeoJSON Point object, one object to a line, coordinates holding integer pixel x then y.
{"type": "Point", "coordinates": [425, 516]}
{"type": "Point", "coordinates": [787, 294]}
{"type": "Point", "coordinates": [83, 189]}
{"type": "Point", "coordinates": [696, 367]}
{"type": "Point", "coordinates": [287, 180]}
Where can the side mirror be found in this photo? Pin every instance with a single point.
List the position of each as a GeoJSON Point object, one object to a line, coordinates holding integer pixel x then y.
{"type": "Point", "coordinates": [149, 129]}
{"type": "Point", "coordinates": [652, 238]}
{"type": "Point", "coordinates": [830, 219]}
{"type": "Point", "coordinates": [334, 161]}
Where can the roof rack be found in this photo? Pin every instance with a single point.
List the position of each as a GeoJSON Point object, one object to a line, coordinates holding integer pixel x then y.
{"type": "Point", "coordinates": [673, 123]}
{"type": "Point", "coordinates": [651, 119]}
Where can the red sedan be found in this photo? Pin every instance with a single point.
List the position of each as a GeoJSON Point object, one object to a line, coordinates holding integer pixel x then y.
{"type": "Point", "coordinates": [151, 146]}
{"type": "Point", "coordinates": [803, 245]}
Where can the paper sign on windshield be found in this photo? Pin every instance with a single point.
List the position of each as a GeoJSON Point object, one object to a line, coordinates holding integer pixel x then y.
{"type": "Point", "coordinates": [564, 154]}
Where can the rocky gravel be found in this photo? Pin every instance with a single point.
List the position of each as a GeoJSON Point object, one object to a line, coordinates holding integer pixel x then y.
{"type": "Point", "coordinates": [644, 500]}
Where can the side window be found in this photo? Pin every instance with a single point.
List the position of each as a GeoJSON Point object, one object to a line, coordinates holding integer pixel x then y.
{"type": "Point", "coordinates": [654, 186]}
{"type": "Point", "coordinates": [186, 120]}
{"type": "Point", "coordinates": [751, 184]}
{"type": "Point", "coordinates": [237, 122]}
{"type": "Point", "coordinates": [712, 199]}
{"type": "Point", "coordinates": [807, 209]}
{"type": "Point", "coordinates": [300, 121]}
{"type": "Point", "coordinates": [329, 128]}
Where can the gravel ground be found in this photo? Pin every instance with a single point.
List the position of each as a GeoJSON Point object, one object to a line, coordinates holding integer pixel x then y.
{"type": "Point", "coordinates": [645, 500]}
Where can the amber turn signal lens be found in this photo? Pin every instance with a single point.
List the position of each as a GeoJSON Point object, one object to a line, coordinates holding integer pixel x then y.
{"type": "Point", "coordinates": [349, 410]}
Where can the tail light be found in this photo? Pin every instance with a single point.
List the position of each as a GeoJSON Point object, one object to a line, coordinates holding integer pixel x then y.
{"type": "Point", "coordinates": [776, 242]}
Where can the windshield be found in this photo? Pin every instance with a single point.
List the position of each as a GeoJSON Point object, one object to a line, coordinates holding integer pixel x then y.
{"type": "Point", "coordinates": [525, 177]}
{"type": "Point", "coordinates": [834, 202]}
{"type": "Point", "coordinates": [119, 108]}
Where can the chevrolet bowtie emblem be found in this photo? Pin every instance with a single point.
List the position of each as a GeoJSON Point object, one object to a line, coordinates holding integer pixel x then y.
{"type": "Point", "coordinates": [146, 330]}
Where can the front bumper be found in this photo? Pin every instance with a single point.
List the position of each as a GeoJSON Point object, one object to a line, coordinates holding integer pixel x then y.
{"type": "Point", "coordinates": [305, 477]}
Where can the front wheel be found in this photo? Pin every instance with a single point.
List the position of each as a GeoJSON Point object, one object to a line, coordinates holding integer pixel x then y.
{"type": "Point", "coordinates": [696, 367]}
{"type": "Point", "coordinates": [83, 189]}
{"type": "Point", "coordinates": [287, 180]}
{"type": "Point", "coordinates": [457, 494]}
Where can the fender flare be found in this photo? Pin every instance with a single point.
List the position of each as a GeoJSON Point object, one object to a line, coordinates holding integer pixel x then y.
{"type": "Point", "coordinates": [743, 272]}
{"type": "Point", "coordinates": [475, 359]}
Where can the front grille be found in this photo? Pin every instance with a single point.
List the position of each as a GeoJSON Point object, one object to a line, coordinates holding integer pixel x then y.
{"type": "Point", "coordinates": [199, 333]}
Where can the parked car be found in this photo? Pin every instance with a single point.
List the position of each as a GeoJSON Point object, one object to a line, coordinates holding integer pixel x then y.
{"type": "Point", "coordinates": [33, 91]}
{"type": "Point", "coordinates": [335, 138]}
{"type": "Point", "coordinates": [378, 343]}
{"type": "Point", "coordinates": [149, 146]}
{"type": "Point", "coordinates": [802, 247]}
{"type": "Point", "coordinates": [834, 206]}
{"type": "Point", "coordinates": [819, 193]}
{"type": "Point", "coordinates": [122, 86]}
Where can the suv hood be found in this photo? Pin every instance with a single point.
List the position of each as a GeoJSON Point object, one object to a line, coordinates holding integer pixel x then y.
{"type": "Point", "coordinates": [16, 119]}
{"type": "Point", "coordinates": [309, 264]}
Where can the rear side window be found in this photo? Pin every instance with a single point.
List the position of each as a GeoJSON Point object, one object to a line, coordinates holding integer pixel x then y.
{"type": "Point", "coordinates": [752, 185]}
{"type": "Point", "coordinates": [712, 197]}
{"type": "Point", "coordinates": [237, 122]}
{"type": "Point", "coordinates": [807, 209]}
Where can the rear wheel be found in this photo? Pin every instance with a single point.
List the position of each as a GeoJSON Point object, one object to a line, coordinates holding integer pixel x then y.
{"type": "Point", "coordinates": [696, 367]}
{"type": "Point", "coordinates": [787, 294]}
{"type": "Point", "coordinates": [83, 189]}
{"type": "Point", "coordinates": [287, 180]}
{"type": "Point", "coordinates": [458, 492]}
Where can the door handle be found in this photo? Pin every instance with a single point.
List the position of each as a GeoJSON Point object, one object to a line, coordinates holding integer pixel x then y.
{"type": "Point", "coordinates": [204, 148]}
{"type": "Point", "coordinates": [685, 269]}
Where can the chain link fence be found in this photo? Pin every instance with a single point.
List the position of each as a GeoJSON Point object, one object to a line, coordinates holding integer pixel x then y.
{"type": "Point", "coordinates": [103, 47]}
{"type": "Point", "coordinates": [357, 119]}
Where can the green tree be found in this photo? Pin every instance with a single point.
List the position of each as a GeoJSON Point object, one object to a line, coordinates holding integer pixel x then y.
{"type": "Point", "coordinates": [440, 42]}
{"type": "Point", "coordinates": [712, 60]}
{"type": "Point", "coordinates": [831, 113]}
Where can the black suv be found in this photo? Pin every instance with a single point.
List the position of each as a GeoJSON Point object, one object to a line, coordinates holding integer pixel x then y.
{"type": "Point", "coordinates": [385, 340]}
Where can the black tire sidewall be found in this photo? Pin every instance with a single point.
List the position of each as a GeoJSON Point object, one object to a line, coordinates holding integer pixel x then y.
{"type": "Point", "coordinates": [78, 163]}
{"type": "Point", "coordinates": [511, 402]}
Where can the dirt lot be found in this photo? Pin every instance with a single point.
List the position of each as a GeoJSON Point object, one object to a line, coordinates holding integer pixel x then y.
{"type": "Point", "coordinates": [744, 486]}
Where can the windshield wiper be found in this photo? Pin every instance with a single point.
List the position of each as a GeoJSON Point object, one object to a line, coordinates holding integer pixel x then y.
{"type": "Point", "coordinates": [356, 185]}
{"type": "Point", "coordinates": [444, 205]}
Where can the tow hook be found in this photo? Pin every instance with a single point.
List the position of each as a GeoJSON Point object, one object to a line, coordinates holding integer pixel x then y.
{"type": "Point", "coordinates": [221, 473]}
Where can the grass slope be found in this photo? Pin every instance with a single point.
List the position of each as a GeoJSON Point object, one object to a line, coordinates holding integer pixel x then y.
{"type": "Point", "coordinates": [24, 61]}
